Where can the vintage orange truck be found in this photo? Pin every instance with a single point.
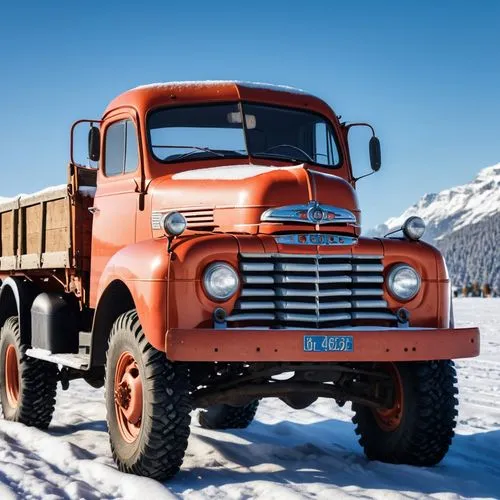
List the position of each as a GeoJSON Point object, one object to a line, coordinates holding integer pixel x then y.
{"type": "Point", "coordinates": [217, 246]}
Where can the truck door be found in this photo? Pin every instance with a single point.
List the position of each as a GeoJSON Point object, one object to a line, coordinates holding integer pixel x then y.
{"type": "Point", "coordinates": [116, 200]}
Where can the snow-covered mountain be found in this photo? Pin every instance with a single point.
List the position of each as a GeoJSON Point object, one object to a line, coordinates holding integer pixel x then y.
{"type": "Point", "coordinates": [464, 223]}
{"type": "Point", "coordinates": [454, 208]}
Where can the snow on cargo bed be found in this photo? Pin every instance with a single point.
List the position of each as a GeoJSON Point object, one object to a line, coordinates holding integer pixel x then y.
{"type": "Point", "coordinates": [59, 190]}
{"type": "Point", "coordinates": [284, 454]}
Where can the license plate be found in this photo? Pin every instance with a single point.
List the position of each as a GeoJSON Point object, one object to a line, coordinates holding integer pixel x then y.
{"type": "Point", "coordinates": [328, 343]}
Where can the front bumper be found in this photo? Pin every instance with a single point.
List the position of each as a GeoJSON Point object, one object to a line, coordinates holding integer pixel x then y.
{"type": "Point", "coordinates": [252, 345]}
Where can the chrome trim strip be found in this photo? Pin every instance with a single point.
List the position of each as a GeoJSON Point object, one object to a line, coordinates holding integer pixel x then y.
{"type": "Point", "coordinates": [257, 292]}
{"type": "Point", "coordinates": [258, 280]}
{"type": "Point", "coordinates": [312, 213]}
{"type": "Point", "coordinates": [369, 304]}
{"type": "Point", "coordinates": [306, 318]}
{"type": "Point", "coordinates": [373, 315]}
{"type": "Point", "coordinates": [367, 292]}
{"type": "Point", "coordinates": [367, 279]}
{"type": "Point", "coordinates": [291, 267]}
{"type": "Point", "coordinates": [310, 279]}
{"type": "Point", "coordinates": [251, 317]}
{"type": "Point", "coordinates": [320, 239]}
{"type": "Point", "coordinates": [368, 268]}
{"type": "Point", "coordinates": [257, 266]}
{"type": "Point", "coordinates": [255, 305]}
{"type": "Point", "coordinates": [308, 256]}
{"type": "Point", "coordinates": [292, 292]}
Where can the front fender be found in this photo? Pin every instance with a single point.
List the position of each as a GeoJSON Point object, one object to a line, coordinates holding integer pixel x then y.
{"type": "Point", "coordinates": [166, 286]}
{"type": "Point", "coordinates": [143, 267]}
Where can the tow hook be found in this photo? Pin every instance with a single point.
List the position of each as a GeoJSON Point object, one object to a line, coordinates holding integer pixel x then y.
{"type": "Point", "coordinates": [403, 316]}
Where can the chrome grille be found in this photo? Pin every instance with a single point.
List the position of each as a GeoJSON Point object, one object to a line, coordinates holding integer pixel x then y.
{"type": "Point", "coordinates": [312, 291]}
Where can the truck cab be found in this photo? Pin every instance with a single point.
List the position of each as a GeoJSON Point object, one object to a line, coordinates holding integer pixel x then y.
{"type": "Point", "coordinates": [220, 247]}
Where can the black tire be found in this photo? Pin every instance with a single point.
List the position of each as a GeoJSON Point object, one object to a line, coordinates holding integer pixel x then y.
{"type": "Point", "coordinates": [37, 381]}
{"type": "Point", "coordinates": [228, 417]}
{"type": "Point", "coordinates": [427, 422]}
{"type": "Point", "coordinates": [159, 448]}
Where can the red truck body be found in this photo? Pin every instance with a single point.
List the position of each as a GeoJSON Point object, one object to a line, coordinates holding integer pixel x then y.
{"type": "Point", "coordinates": [282, 223]}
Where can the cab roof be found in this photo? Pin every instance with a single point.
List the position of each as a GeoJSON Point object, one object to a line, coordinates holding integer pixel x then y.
{"type": "Point", "coordinates": [146, 97]}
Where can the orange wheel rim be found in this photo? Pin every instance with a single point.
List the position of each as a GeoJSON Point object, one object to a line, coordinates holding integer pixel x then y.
{"type": "Point", "coordinates": [389, 419]}
{"type": "Point", "coordinates": [128, 397]}
{"type": "Point", "coordinates": [12, 376]}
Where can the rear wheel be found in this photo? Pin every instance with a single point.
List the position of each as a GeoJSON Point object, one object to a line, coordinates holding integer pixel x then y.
{"type": "Point", "coordinates": [419, 427]}
{"type": "Point", "coordinates": [28, 386]}
{"type": "Point", "coordinates": [228, 417]}
{"type": "Point", "coordinates": [148, 403]}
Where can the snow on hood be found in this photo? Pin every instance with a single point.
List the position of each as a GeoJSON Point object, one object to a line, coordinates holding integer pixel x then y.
{"type": "Point", "coordinates": [228, 172]}
{"type": "Point", "coordinates": [208, 83]}
{"type": "Point", "coordinates": [454, 208]}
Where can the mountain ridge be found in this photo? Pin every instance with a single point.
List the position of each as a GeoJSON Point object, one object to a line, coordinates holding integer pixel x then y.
{"type": "Point", "coordinates": [453, 208]}
{"type": "Point", "coordinates": [463, 222]}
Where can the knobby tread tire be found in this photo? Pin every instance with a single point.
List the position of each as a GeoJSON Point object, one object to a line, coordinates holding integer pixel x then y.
{"type": "Point", "coordinates": [37, 382]}
{"type": "Point", "coordinates": [428, 420]}
{"type": "Point", "coordinates": [224, 416]}
{"type": "Point", "coordinates": [159, 449]}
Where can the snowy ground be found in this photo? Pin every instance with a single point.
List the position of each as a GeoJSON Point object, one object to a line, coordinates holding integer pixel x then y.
{"type": "Point", "coordinates": [284, 454]}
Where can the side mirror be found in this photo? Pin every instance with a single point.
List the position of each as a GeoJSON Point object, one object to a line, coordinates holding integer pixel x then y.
{"type": "Point", "coordinates": [375, 155]}
{"type": "Point", "coordinates": [95, 144]}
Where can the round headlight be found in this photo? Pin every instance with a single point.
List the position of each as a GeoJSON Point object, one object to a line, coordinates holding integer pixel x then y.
{"type": "Point", "coordinates": [220, 281]}
{"type": "Point", "coordinates": [403, 282]}
{"type": "Point", "coordinates": [174, 223]}
{"type": "Point", "coordinates": [414, 228]}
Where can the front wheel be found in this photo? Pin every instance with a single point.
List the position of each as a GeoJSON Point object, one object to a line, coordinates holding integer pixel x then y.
{"type": "Point", "coordinates": [419, 427]}
{"type": "Point", "coordinates": [148, 403]}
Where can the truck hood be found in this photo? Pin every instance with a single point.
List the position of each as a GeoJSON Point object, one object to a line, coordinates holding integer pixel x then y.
{"type": "Point", "coordinates": [232, 198]}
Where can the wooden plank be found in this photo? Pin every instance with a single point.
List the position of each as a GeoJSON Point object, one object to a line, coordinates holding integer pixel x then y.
{"type": "Point", "coordinates": [54, 260]}
{"type": "Point", "coordinates": [49, 260]}
{"type": "Point", "coordinates": [32, 228]}
{"type": "Point", "coordinates": [41, 247]}
{"type": "Point", "coordinates": [8, 263]}
{"type": "Point", "coordinates": [7, 219]}
{"type": "Point", "coordinates": [57, 223]}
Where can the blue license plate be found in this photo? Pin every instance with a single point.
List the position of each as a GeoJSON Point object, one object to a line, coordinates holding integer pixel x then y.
{"type": "Point", "coordinates": [328, 343]}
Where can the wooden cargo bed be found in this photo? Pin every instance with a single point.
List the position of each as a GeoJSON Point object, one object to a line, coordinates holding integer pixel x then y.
{"type": "Point", "coordinates": [50, 229]}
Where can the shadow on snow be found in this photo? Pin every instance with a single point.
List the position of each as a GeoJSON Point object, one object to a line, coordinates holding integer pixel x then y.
{"type": "Point", "coordinates": [327, 452]}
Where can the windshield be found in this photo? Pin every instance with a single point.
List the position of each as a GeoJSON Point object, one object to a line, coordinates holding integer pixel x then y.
{"type": "Point", "coordinates": [217, 130]}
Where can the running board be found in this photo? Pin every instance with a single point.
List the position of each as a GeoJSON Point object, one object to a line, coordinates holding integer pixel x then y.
{"type": "Point", "coordinates": [76, 361]}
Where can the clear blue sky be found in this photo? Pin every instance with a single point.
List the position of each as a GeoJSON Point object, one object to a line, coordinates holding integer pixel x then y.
{"type": "Point", "coordinates": [426, 74]}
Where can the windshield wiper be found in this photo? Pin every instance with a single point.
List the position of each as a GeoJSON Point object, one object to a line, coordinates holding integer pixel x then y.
{"type": "Point", "coordinates": [196, 148]}
{"type": "Point", "coordinates": [276, 155]}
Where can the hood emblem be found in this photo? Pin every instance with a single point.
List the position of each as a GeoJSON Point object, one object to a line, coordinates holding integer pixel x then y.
{"type": "Point", "coordinates": [312, 213]}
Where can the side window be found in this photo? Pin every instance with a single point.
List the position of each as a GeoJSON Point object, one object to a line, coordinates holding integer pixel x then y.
{"type": "Point", "coordinates": [121, 148]}
{"type": "Point", "coordinates": [131, 152]}
{"type": "Point", "coordinates": [326, 152]}
{"type": "Point", "coordinates": [115, 149]}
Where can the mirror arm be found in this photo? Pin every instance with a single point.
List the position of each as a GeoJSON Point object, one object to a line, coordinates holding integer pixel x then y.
{"type": "Point", "coordinates": [360, 124]}
{"type": "Point", "coordinates": [356, 179]}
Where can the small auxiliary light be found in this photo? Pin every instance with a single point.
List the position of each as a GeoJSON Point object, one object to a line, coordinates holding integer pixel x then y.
{"type": "Point", "coordinates": [414, 228]}
{"type": "Point", "coordinates": [174, 223]}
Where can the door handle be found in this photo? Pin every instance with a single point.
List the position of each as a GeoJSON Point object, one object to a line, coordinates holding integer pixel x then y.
{"type": "Point", "coordinates": [93, 210]}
